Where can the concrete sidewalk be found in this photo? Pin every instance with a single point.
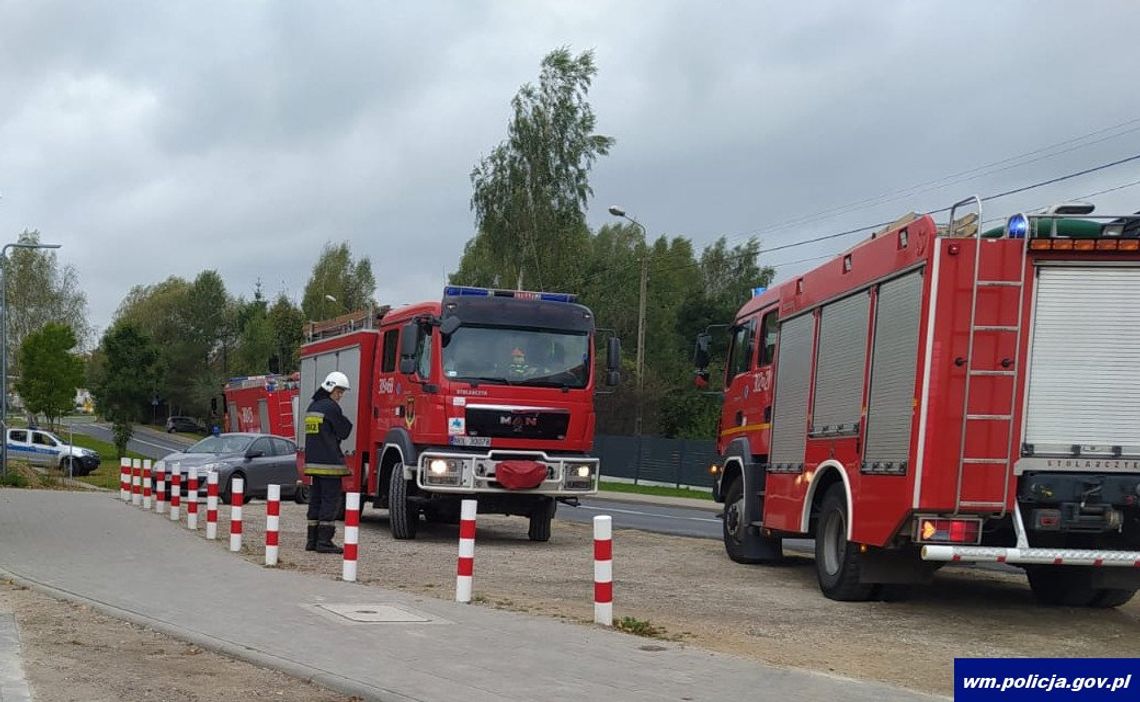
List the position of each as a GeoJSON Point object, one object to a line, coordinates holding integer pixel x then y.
{"type": "Point", "coordinates": [94, 549]}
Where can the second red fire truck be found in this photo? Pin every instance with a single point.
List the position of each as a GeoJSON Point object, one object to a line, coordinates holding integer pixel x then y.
{"type": "Point", "coordinates": [940, 395]}
{"type": "Point", "coordinates": [484, 394]}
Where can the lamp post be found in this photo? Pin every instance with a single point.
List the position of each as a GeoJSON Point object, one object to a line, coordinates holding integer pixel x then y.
{"type": "Point", "coordinates": [619, 212]}
{"type": "Point", "coordinates": [4, 344]}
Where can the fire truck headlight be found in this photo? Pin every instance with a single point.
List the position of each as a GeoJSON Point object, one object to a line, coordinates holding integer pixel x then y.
{"type": "Point", "coordinates": [438, 466]}
{"type": "Point", "coordinates": [583, 471]}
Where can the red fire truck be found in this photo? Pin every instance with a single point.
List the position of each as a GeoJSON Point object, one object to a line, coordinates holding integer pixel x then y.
{"type": "Point", "coordinates": [941, 395]}
{"type": "Point", "coordinates": [485, 394]}
{"type": "Point", "coordinates": [262, 403]}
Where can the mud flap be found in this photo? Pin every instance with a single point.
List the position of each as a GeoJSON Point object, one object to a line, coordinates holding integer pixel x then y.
{"type": "Point", "coordinates": [893, 567]}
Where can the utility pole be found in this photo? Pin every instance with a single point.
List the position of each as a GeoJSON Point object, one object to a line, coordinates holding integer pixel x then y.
{"type": "Point", "coordinates": [619, 212]}
{"type": "Point", "coordinates": [641, 337]}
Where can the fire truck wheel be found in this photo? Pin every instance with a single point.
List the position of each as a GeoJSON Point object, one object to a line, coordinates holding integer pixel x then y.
{"type": "Point", "coordinates": [1071, 586]}
{"type": "Point", "coordinates": [540, 520]}
{"type": "Point", "coordinates": [403, 517]}
{"type": "Point", "coordinates": [837, 560]}
{"type": "Point", "coordinates": [736, 536]}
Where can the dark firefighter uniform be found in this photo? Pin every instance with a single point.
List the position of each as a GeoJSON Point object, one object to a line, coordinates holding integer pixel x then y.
{"type": "Point", "coordinates": [325, 427]}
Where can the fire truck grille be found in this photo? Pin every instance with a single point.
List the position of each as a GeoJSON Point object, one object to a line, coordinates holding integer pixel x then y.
{"type": "Point", "coordinates": [517, 423]}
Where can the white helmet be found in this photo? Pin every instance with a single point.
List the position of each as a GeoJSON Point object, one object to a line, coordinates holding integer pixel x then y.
{"type": "Point", "coordinates": [335, 380]}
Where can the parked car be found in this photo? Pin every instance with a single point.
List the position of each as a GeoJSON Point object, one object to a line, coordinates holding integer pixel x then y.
{"type": "Point", "coordinates": [259, 459]}
{"type": "Point", "coordinates": [46, 449]}
{"type": "Point", "coordinates": [184, 424]}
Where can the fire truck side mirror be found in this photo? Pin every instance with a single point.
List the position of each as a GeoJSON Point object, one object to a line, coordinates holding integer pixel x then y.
{"type": "Point", "coordinates": [409, 342]}
{"type": "Point", "coordinates": [448, 325]}
{"type": "Point", "coordinates": [613, 361]}
{"type": "Point", "coordinates": [701, 351]}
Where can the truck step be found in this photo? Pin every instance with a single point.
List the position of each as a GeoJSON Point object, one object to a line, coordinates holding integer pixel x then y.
{"type": "Point", "coordinates": [999, 283]}
{"type": "Point", "coordinates": [996, 327]}
{"type": "Point", "coordinates": [982, 503]}
{"type": "Point", "coordinates": [993, 372]}
{"type": "Point", "coordinates": [986, 461]}
{"type": "Point", "coordinates": [990, 417]}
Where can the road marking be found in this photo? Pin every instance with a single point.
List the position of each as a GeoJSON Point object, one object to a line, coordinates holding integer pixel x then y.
{"type": "Point", "coordinates": [13, 685]}
{"type": "Point", "coordinates": [649, 514]}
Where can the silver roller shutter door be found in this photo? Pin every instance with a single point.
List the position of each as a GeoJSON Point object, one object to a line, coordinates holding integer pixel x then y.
{"type": "Point", "coordinates": [841, 365]}
{"type": "Point", "coordinates": [894, 364]}
{"type": "Point", "coordinates": [1083, 383]}
{"type": "Point", "coordinates": [793, 378]}
{"type": "Point", "coordinates": [348, 362]}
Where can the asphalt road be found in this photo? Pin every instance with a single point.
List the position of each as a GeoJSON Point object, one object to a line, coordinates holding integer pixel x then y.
{"type": "Point", "coordinates": [147, 444]}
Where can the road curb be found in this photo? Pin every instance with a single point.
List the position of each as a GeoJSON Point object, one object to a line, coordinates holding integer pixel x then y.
{"type": "Point", "coordinates": [323, 678]}
{"type": "Point", "coordinates": [690, 502]}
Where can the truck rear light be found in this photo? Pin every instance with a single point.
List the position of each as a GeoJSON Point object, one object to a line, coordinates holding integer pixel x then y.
{"type": "Point", "coordinates": [1129, 245]}
{"type": "Point", "coordinates": [1062, 244]}
{"type": "Point", "coordinates": [1084, 244]}
{"type": "Point", "coordinates": [1039, 244]}
{"type": "Point", "coordinates": [1047, 519]}
{"type": "Point", "coordinates": [948, 531]}
{"type": "Point", "coordinates": [1107, 244]}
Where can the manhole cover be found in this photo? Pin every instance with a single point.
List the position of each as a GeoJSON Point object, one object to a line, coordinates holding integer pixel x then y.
{"type": "Point", "coordinates": [373, 613]}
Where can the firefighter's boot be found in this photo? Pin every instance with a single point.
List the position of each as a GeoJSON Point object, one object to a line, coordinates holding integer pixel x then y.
{"type": "Point", "coordinates": [311, 543]}
{"type": "Point", "coordinates": [325, 543]}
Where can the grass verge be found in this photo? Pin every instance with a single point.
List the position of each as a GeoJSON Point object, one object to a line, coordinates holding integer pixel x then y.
{"type": "Point", "coordinates": [107, 474]}
{"type": "Point", "coordinates": [658, 490]}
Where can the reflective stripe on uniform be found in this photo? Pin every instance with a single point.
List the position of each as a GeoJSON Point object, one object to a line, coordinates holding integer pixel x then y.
{"type": "Point", "coordinates": [313, 421]}
{"type": "Point", "coordinates": [325, 469]}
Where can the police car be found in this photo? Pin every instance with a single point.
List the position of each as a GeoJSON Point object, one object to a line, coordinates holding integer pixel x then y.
{"type": "Point", "coordinates": [44, 448]}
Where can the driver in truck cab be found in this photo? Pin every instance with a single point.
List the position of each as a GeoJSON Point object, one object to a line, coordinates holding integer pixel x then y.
{"type": "Point", "coordinates": [325, 427]}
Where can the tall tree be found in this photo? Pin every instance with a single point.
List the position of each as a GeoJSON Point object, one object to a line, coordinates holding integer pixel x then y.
{"type": "Point", "coordinates": [40, 290]}
{"type": "Point", "coordinates": [49, 371]}
{"type": "Point", "coordinates": [350, 282]}
{"type": "Point", "coordinates": [124, 378]}
{"type": "Point", "coordinates": [286, 322]}
{"type": "Point", "coordinates": [530, 191]}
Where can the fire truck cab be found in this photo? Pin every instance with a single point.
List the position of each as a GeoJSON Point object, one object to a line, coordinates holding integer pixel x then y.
{"type": "Point", "coordinates": [945, 394]}
{"type": "Point", "coordinates": [486, 395]}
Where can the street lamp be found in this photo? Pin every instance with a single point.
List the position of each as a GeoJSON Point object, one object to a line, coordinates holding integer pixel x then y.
{"type": "Point", "coordinates": [4, 344]}
{"type": "Point", "coordinates": [619, 212]}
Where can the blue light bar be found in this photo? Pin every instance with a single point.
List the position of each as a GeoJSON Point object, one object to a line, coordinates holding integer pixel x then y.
{"type": "Point", "coordinates": [462, 290]}
{"type": "Point", "coordinates": [758, 291]}
{"type": "Point", "coordinates": [1017, 226]}
{"type": "Point", "coordinates": [466, 291]}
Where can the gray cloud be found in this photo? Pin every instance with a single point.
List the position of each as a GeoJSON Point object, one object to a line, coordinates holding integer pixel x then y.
{"type": "Point", "coordinates": [157, 139]}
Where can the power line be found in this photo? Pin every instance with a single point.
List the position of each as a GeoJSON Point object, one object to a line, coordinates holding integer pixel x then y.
{"type": "Point", "coordinates": [872, 227]}
{"type": "Point", "coordinates": [953, 179]}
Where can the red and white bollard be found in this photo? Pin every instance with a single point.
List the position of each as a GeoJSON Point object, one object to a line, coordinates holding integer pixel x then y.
{"type": "Point", "coordinates": [237, 486]}
{"type": "Point", "coordinates": [603, 570]}
{"type": "Point", "coordinates": [211, 505]}
{"type": "Point", "coordinates": [146, 484]}
{"type": "Point", "coordinates": [176, 493]}
{"type": "Point", "coordinates": [136, 482]}
{"type": "Point", "coordinates": [351, 535]}
{"type": "Point", "coordinates": [272, 523]}
{"type": "Point", "coordinates": [192, 500]}
{"type": "Point", "coordinates": [160, 488]}
{"type": "Point", "coordinates": [465, 572]}
{"type": "Point", "coordinates": [125, 479]}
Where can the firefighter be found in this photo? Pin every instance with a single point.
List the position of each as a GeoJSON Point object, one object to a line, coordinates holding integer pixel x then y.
{"type": "Point", "coordinates": [325, 427]}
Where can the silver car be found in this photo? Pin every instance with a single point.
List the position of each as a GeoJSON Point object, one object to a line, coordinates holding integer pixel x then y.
{"type": "Point", "coordinates": [259, 459]}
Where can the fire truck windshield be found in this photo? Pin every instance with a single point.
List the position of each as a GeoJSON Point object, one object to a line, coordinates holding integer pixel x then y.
{"type": "Point", "coordinates": [515, 356]}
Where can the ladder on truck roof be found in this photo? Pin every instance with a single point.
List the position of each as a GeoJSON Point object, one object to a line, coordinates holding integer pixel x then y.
{"type": "Point", "coordinates": [969, 226]}
{"type": "Point", "coordinates": [345, 323]}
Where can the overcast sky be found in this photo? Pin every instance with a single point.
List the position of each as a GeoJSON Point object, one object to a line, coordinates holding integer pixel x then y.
{"type": "Point", "coordinates": [163, 138]}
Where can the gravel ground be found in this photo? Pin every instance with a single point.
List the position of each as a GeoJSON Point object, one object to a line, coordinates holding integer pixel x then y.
{"type": "Point", "coordinates": [693, 594]}
{"type": "Point", "coordinates": [71, 653]}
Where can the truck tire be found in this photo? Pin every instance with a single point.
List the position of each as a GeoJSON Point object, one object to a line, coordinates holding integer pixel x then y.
{"type": "Point", "coordinates": [741, 546]}
{"type": "Point", "coordinates": [403, 517]}
{"type": "Point", "coordinates": [837, 560]}
{"type": "Point", "coordinates": [1071, 586]}
{"type": "Point", "coordinates": [540, 520]}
